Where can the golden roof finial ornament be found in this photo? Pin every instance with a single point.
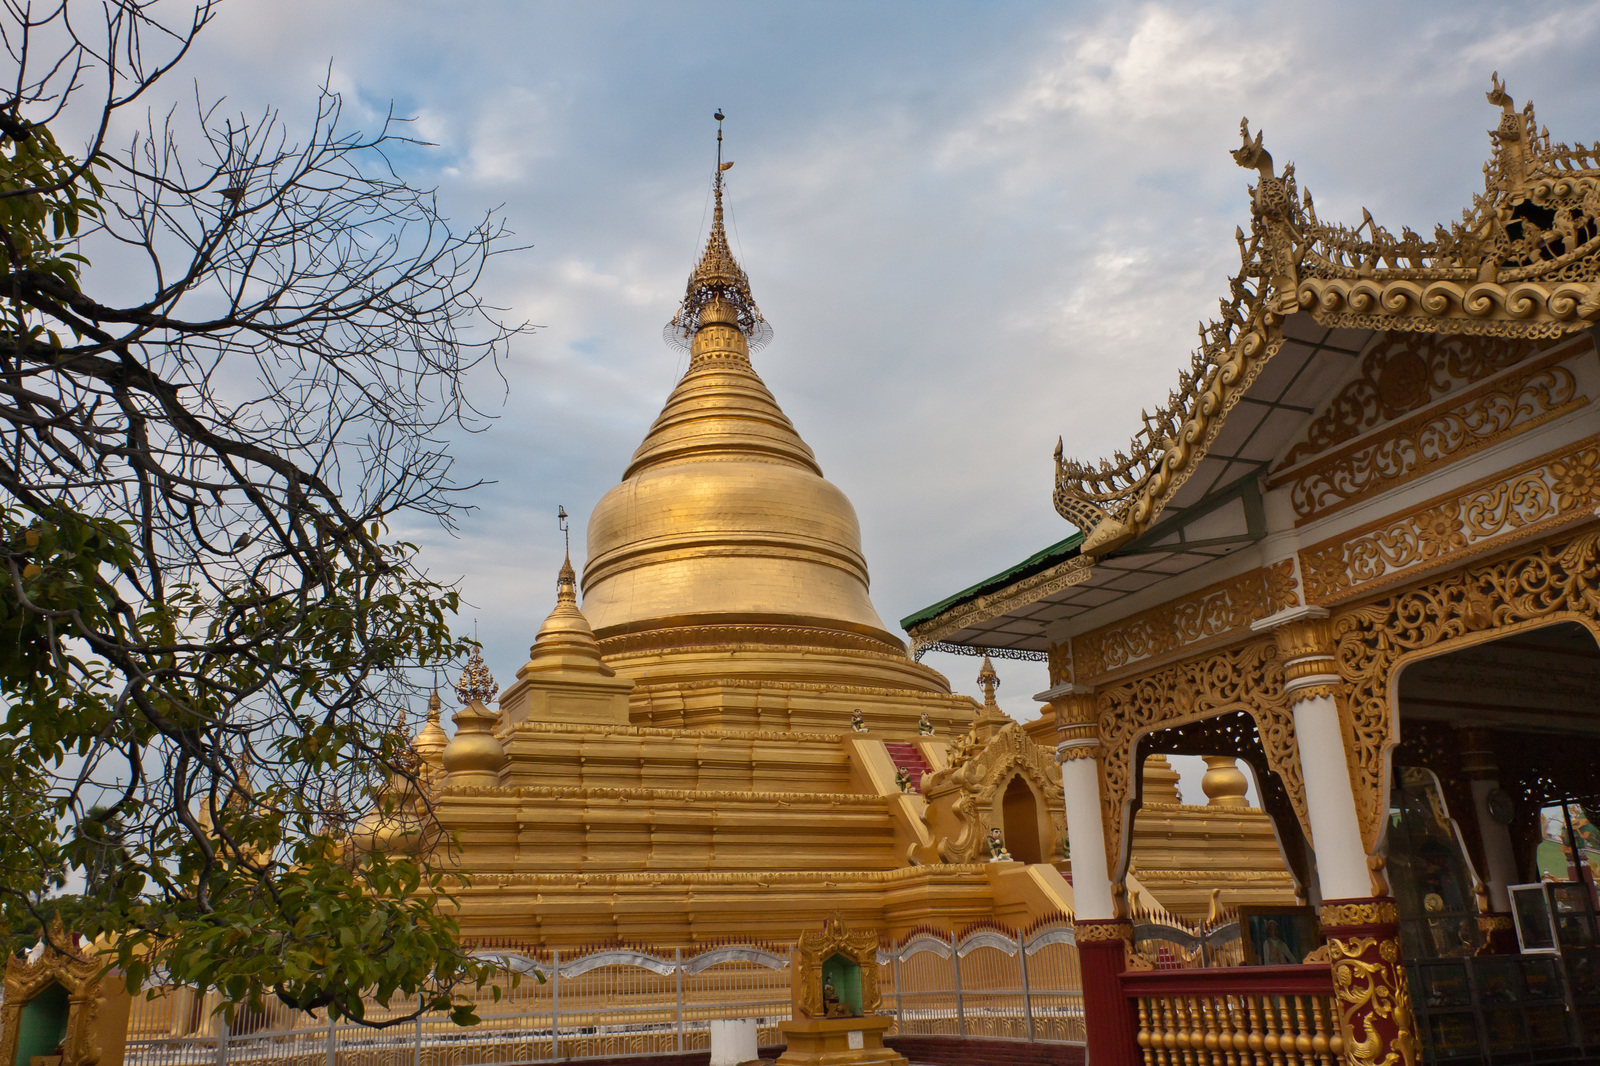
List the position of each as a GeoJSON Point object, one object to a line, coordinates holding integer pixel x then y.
{"type": "Point", "coordinates": [476, 682]}
{"type": "Point", "coordinates": [989, 680]}
{"type": "Point", "coordinates": [718, 281]}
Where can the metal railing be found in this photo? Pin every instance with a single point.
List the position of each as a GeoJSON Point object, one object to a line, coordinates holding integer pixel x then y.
{"type": "Point", "coordinates": [611, 1002]}
{"type": "Point", "coordinates": [987, 983]}
{"type": "Point", "coordinates": [1168, 942]}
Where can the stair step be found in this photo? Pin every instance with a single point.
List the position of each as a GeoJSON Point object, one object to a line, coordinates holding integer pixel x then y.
{"type": "Point", "coordinates": [906, 756]}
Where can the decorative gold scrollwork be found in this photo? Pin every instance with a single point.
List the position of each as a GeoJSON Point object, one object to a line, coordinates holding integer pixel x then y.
{"type": "Point", "coordinates": [1546, 583]}
{"type": "Point", "coordinates": [1550, 491]}
{"type": "Point", "coordinates": [1226, 607]}
{"type": "Point", "coordinates": [1374, 1003]}
{"type": "Point", "coordinates": [1247, 678]}
{"type": "Point", "coordinates": [1099, 932]}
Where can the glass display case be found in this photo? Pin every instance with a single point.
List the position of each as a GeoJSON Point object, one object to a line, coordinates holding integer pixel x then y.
{"type": "Point", "coordinates": [1427, 865]}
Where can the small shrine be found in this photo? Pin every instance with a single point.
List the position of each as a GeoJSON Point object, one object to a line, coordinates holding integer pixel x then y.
{"type": "Point", "coordinates": [835, 985]}
{"type": "Point", "coordinates": [61, 1008]}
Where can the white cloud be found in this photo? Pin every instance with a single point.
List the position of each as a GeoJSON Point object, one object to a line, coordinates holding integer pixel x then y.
{"type": "Point", "coordinates": [970, 238]}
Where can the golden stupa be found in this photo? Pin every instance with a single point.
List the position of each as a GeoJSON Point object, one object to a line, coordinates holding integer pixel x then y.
{"type": "Point", "coordinates": [725, 740]}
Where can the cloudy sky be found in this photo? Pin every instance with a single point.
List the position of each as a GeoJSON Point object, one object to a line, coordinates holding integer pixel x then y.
{"type": "Point", "coordinates": [973, 226]}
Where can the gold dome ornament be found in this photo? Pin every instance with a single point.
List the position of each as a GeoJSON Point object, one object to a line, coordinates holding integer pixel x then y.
{"type": "Point", "coordinates": [476, 682]}
{"type": "Point", "coordinates": [431, 739]}
{"type": "Point", "coordinates": [724, 573]}
{"type": "Point", "coordinates": [474, 755]}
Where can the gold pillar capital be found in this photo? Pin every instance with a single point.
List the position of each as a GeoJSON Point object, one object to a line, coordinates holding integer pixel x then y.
{"type": "Point", "coordinates": [1306, 648]}
{"type": "Point", "coordinates": [1074, 704]}
{"type": "Point", "coordinates": [1077, 722]}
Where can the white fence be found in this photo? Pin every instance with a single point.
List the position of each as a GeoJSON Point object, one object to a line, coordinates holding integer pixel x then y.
{"type": "Point", "coordinates": [598, 1004]}
{"type": "Point", "coordinates": [988, 984]}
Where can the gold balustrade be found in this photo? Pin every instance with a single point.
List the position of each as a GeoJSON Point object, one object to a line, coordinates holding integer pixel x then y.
{"type": "Point", "coordinates": [1260, 1016]}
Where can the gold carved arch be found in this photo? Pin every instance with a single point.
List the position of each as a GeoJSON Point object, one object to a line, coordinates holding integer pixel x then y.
{"type": "Point", "coordinates": [815, 948]}
{"type": "Point", "coordinates": [80, 975]}
{"type": "Point", "coordinates": [1540, 586]}
{"type": "Point", "coordinates": [1245, 678]}
{"type": "Point", "coordinates": [977, 773]}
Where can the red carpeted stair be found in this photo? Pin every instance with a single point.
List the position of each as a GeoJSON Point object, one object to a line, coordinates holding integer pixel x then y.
{"type": "Point", "coordinates": [906, 755]}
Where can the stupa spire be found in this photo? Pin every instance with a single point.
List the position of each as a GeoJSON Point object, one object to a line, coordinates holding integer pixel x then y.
{"type": "Point", "coordinates": [718, 283]}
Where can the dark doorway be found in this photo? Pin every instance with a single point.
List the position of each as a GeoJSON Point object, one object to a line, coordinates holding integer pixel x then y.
{"type": "Point", "coordinates": [1019, 811]}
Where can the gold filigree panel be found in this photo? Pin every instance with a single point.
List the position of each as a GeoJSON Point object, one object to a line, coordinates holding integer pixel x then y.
{"type": "Point", "coordinates": [1399, 375]}
{"type": "Point", "coordinates": [1283, 586]}
{"type": "Point", "coordinates": [1221, 609]}
{"type": "Point", "coordinates": [1414, 446]}
{"type": "Point", "coordinates": [1545, 584]}
{"type": "Point", "coordinates": [1060, 662]}
{"type": "Point", "coordinates": [1248, 678]}
{"type": "Point", "coordinates": [1556, 488]}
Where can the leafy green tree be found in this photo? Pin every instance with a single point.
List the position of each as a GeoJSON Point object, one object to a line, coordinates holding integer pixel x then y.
{"type": "Point", "coordinates": [227, 363]}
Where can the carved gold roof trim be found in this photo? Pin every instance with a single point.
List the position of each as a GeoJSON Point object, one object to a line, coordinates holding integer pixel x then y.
{"type": "Point", "coordinates": [1524, 262]}
{"type": "Point", "coordinates": [1063, 575]}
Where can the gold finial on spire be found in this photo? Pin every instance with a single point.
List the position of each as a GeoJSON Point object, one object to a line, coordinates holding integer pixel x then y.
{"type": "Point", "coordinates": [430, 740]}
{"type": "Point", "coordinates": [989, 680]}
{"type": "Point", "coordinates": [566, 578]}
{"type": "Point", "coordinates": [476, 682]}
{"type": "Point", "coordinates": [718, 283]}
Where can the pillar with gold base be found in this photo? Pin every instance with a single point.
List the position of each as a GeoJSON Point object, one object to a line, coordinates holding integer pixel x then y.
{"type": "Point", "coordinates": [1369, 988]}
{"type": "Point", "coordinates": [1102, 935]}
{"type": "Point", "coordinates": [1358, 917]}
{"type": "Point", "coordinates": [834, 981]}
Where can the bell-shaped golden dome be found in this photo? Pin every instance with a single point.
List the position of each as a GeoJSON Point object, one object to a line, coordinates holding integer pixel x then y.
{"type": "Point", "coordinates": [723, 516]}
{"type": "Point", "coordinates": [725, 574]}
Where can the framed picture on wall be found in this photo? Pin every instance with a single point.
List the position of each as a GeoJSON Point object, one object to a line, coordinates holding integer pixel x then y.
{"type": "Point", "coordinates": [1530, 912]}
{"type": "Point", "coordinates": [1278, 936]}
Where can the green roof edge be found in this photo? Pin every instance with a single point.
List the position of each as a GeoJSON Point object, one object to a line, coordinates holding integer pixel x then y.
{"type": "Point", "coordinates": [1041, 560]}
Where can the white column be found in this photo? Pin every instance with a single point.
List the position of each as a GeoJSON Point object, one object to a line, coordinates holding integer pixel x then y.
{"type": "Point", "coordinates": [1080, 785]}
{"type": "Point", "coordinates": [1330, 801]}
{"type": "Point", "coordinates": [1501, 865]}
{"type": "Point", "coordinates": [1311, 677]}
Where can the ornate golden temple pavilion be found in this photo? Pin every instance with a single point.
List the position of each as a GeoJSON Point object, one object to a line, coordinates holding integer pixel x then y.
{"type": "Point", "coordinates": [1358, 549]}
